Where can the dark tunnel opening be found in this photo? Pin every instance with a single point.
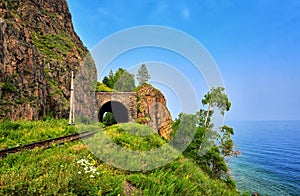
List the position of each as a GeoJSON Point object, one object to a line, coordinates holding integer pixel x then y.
{"type": "Point", "coordinates": [119, 111]}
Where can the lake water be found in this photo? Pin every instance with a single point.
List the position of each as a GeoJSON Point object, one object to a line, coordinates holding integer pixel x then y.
{"type": "Point", "coordinates": [270, 159]}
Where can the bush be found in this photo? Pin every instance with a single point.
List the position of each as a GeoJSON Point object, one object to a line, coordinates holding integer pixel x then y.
{"type": "Point", "coordinates": [103, 88]}
{"type": "Point", "coordinates": [9, 87]}
{"type": "Point", "coordinates": [109, 119]}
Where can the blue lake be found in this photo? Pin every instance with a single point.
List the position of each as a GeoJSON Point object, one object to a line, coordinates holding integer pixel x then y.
{"type": "Point", "coordinates": [270, 159]}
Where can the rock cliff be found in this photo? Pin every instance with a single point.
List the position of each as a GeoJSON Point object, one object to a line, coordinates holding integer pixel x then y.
{"type": "Point", "coordinates": [152, 110]}
{"type": "Point", "coordinates": [38, 50]}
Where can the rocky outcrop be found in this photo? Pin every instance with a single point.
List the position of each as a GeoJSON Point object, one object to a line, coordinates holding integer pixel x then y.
{"type": "Point", "coordinates": [38, 51]}
{"type": "Point", "coordinates": [153, 111]}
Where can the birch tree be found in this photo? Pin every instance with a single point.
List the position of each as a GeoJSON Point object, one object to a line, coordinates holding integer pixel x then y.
{"type": "Point", "coordinates": [216, 98]}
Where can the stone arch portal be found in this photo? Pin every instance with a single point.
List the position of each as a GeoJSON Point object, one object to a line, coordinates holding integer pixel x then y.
{"type": "Point", "coordinates": [122, 104]}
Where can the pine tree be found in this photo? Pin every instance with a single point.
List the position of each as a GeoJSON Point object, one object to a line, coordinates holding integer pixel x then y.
{"type": "Point", "coordinates": [109, 80]}
{"type": "Point", "coordinates": [143, 75]}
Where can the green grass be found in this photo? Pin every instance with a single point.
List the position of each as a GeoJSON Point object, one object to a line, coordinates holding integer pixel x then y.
{"type": "Point", "coordinates": [57, 171]}
{"type": "Point", "coordinates": [71, 169]}
{"type": "Point", "coordinates": [180, 177]}
{"type": "Point", "coordinates": [129, 136]}
{"type": "Point", "coordinates": [23, 132]}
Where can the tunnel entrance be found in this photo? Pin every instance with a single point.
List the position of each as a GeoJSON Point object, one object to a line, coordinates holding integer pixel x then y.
{"type": "Point", "coordinates": [118, 110]}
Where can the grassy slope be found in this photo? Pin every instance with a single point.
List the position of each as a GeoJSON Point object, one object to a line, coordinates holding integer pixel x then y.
{"type": "Point", "coordinates": [57, 170]}
{"type": "Point", "coordinates": [23, 132]}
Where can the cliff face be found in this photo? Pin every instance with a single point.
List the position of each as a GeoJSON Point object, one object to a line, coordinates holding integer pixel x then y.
{"type": "Point", "coordinates": [38, 51]}
{"type": "Point", "coordinates": [152, 110]}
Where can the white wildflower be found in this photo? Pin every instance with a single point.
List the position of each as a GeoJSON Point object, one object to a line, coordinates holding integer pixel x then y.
{"type": "Point", "coordinates": [92, 176]}
{"type": "Point", "coordinates": [88, 167]}
{"type": "Point", "coordinates": [80, 161]}
{"type": "Point", "coordinates": [93, 169]}
{"type": "Point", "coordinates": [87, 170]}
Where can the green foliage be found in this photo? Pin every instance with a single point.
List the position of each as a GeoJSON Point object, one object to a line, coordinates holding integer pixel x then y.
{"type": "Point", "coordinates": [216, 98]}
{"type": "Point", "coordinates": [117, 75]}
{"type": "Point", "coordinates": [15, 75]}
{"type": "Point", "coordinates": [226, 143]}
{"type": "Point", "coordinates": [89, 73]}
{"type": "Point", "coordinates": [209, 148]}
{"type": "Point", "coordinates": [202, 117]}
{"type": "Point", "coordinates": [54, 46]}
{"type": "Point", "coordinates": [101, 87]}
{"type": "Point", "coordinates": [9, 87]}
{"type": "Point", "coordinates": [109, 80]}
{"type": "Point", "coordinates": [13, 5]}
{"type": "Point", "coordinates": [122, 80]}
{"type": "Point", "coordinates": [212, 161]}
{"type": "Point", "coordinates": [125, 82]}
{"type": "Point", "coordinates": [143, 75]}
{"type": "Point", "coordinates": [54, 88]}
{"type": "Point", "coordinates": [20, 101]}
{"type": "Point", "coordinates": [109, 119]}
{"type": "Point", "coordinates": [184, 129]}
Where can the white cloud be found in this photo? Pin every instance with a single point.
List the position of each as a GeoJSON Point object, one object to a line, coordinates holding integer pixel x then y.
{"type": "Point", "coordinates": [185, 13]}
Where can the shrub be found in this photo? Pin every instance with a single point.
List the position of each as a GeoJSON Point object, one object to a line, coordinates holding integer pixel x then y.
{"type": "Point", "coordinates": [9, 87]}
{"type": "Point", "coordinates": [103, 88]}
{"type": "Point", "coordinates": [109, 119]}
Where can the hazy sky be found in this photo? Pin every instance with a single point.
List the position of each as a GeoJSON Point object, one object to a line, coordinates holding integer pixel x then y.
{"type": "Point", "coordinates": [256, 44]}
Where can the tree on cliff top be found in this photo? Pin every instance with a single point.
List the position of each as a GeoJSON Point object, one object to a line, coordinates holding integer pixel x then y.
{"type": "Point", "coordinates": [125, 82]}
{"type": "Point", "coordinates": [122, 80]}
{"type": "Point", "coordinates": [210, 148]}
{"type": "Point", "coordinates": [143, 75]}
{"type": "Point", "coordinates": [108, 80]}
{"type": "Point", "coordinates": [216, 98]}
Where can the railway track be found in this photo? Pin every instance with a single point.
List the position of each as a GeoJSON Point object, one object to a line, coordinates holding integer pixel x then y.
{"type": "Point", "coordinates": [46, 143]}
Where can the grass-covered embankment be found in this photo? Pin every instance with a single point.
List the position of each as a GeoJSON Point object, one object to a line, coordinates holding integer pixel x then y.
{"type": "Point", "coordinates": [71, 169]}
{"type": "Point", "coordinates": [24, 132]}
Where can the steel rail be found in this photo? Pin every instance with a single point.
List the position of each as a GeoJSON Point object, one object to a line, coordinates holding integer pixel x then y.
{"type": "Point", "coordinates": [46, 143]}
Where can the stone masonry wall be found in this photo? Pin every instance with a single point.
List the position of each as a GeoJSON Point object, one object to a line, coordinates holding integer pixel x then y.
{"type": "Point", "coordinates": [128, 99]}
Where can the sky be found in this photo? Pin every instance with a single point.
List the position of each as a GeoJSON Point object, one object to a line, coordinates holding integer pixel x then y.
{"type": "Point", "coordinates": [255, 44]}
